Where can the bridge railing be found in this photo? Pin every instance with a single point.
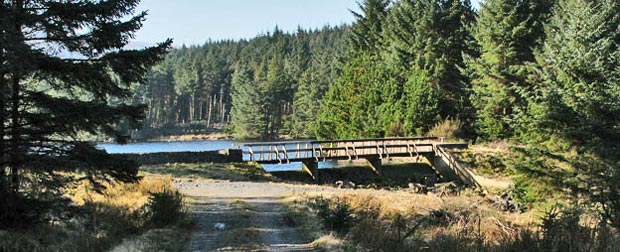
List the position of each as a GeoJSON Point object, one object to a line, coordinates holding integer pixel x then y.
{"type": "Point", "coordinates": [290, 151]}
{"type": "Point", "coordinates": [464, 174]}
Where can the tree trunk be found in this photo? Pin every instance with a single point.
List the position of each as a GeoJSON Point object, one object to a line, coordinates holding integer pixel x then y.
{"type": "Point", "coordinates": [222, 111]}
{"type": "Point", "coordinates": [200, 108]}
{"type": "Point", "coordinates": [190, 113]}
{"type": "Point", "coordinates": [209, 113]}
{"type": "Point", "coordinates": [149, 115]}
{"type": "Point", "coordinates": [3, 178]}
{"type": "Point", "coordinates": [177, 114]}
{"type": "Point", "coordinates": [15, 154]}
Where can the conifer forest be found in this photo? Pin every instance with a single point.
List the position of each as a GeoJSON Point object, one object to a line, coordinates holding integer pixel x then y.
{"type": "Point", "coordinates": [527, 90]}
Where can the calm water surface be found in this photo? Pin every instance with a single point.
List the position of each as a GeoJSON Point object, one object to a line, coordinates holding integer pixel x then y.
{"type": "Point", "coordinates": [209, 145]}
{"type": "Point", "coordinates": [153, 147]}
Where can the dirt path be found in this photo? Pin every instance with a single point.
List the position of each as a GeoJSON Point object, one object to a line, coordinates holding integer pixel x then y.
{"type": "Point", "coordinates": [243, 216]}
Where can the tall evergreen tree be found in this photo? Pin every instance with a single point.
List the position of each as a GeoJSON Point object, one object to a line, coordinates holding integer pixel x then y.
{"type": "Point", "coordinates": [506, 32]}
{"type": "Point", "coordinates": [278, 94]}
{"type": "Point", "coordinates": [349, 108]}
{"type": "Point", "coordinates": [429, 37]}
{"type": "Point", "coordinates": [249, 118]}
{"type": "Point", "coordinates": [366, 33]}
{"type": "Point", "coordinates": [577, 99]}
{"type": "Point", "coordinates": [46, 99]}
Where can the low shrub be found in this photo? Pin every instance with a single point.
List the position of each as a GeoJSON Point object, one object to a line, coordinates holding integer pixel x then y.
{"type": "Point", "coordinates": [450, 129]}
{"type": "Point", "coordinates": [101, 221]}
{"type": "Point", "coordinates": [335, 215]}
{"type": "Point", "coordinates": [460, 226]}
{"type": "Point", "coordinates": [164, 208]}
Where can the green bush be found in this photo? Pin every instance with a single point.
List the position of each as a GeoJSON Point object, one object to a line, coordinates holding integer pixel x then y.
{"type": "Point", "coordinates": [449, 129]}
{"type": "Point", "coordinates": [109, 221]}
{"type": "Point", "coordinates": [165, 208]}
{"type": "Point", "coordinates": [335, 215]}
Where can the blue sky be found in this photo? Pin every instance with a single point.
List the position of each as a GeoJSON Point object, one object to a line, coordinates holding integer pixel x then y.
{"type": "Point", "coordinates": [193, 22]}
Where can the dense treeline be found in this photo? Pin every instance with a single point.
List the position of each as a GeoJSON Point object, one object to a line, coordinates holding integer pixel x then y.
{"type": "Point", "coordinates": [541, 73]}
{"type": "Point", "coordinates": [403, 70]}
{"type": "Point", "coordinates": [263, 87]}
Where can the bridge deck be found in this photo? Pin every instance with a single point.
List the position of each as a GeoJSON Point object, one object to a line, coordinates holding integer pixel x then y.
{"type": "Point", "coordinates": [318, 151]}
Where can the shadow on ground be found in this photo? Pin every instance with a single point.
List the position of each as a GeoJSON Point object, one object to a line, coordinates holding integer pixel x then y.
{"type": "Point", "coordinates": [393, 175]}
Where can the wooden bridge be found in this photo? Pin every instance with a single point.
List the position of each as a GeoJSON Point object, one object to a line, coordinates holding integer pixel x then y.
{"type": "Point", "coordinates": [374, 150]}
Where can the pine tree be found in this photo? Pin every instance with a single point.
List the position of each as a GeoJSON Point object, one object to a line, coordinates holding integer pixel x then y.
{"type": "Point", "coordinates": [506, 32]}
{"type": "Point", "coordinates": [421, 102]}
{"type": "Point", "coordinates": [278, 95]}
{"type": "Point", "coordinates": [305, 107]}
{"type": "Point", "coordinates": [248, 116]}
{"type": "Point", "coordinates": [366, 33]}
{"type": "Point", "coordinates": [350, 107]}
{"type": "Point", "coordinates": [431, 36]}
{"type": "Point", "coordinates": [577, 99]}
{"type": "Point", "coordinates": [48, 96]}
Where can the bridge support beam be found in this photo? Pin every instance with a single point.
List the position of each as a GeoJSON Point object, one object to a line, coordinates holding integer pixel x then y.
{"type": "Point", "coordinates": [311, 167]}
{"type": "Point", "coordinates": [375, 164]}
{"type": "Point", "coordinates": [443, 168]}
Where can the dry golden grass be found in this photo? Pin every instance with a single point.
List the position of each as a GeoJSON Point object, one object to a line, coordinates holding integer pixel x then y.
{"type": "Point", "coordinates": [117, 215]}
{"type": "Point", "coordinates": [328, 242]}
{"type": "Point", "coordinates": [459, 214]}
{"type": "Point", "coordinates": [130, 195]}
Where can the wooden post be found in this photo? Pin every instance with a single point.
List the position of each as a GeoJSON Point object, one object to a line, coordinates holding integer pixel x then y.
{"type": "Point", "coordinates": [311, 167]}
{"type": "Point", "coordinates": [375, 164]}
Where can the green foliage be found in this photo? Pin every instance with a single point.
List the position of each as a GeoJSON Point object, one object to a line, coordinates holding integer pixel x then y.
{"type": "Point", "coordinates": [335, 215]}
{"type": "Point", "coordinates": [48, 100]}
{"type": "Point", "coordinates": [577, 99]}
{"type": "Point", "coordinates": [196, 84]}
{"type": "Point", "coordinates": [428, 38]}
{"type": "Point", "coordinates": [580, 95]}
{"type": "Point", "coordinates": [367, 32]}
{"type": "Point", "coordinates": [391, 77]}
{"type": "Point", "coordinates": [506, 33]}
{"type": "Point", "coordinates": [248, 116]}
{"type": "Point", "coordinates": [421, 104]}
{"type": "Point", "coordinates": [165, 208]}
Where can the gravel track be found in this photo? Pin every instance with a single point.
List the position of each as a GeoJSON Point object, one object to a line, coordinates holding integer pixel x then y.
{"type": "Point", "coordinates": [253, 215]}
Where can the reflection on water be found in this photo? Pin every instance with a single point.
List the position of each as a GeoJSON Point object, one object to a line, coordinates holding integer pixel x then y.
{"type": "Point", "coordinates": [153, 147]}
{"type": "Point", "coordinates": [296, 166]}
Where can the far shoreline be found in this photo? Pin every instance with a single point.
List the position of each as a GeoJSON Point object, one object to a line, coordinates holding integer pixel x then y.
{"type": "Point", "coordinates": [194, 138]}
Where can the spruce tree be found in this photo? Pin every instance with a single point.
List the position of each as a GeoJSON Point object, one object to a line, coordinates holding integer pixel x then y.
{"type": "Point", "coordinates": [431, 36]}
{"type": "Point", "coordinates": [366, 33]}
{"type": "Point", "coordinates": [506, 33]}
{"type": "Point", "coordinates": [578, 97]}
{"type": "Point", "coordinates": [249, 117]}
{"type": "Point", "coordinates": [61, 64]}
{"type": "Point", "coordinates": [349, 108]}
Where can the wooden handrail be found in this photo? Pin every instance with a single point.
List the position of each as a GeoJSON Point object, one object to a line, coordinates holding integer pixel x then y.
{"type": "Point", "coordinates": [336, 149]}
